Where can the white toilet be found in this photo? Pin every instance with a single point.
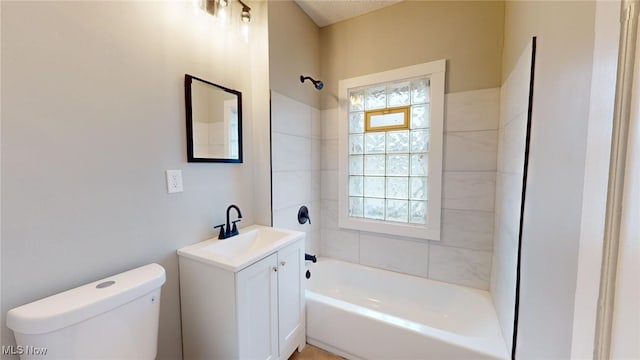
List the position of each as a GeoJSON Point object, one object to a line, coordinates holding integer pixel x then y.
{"type": "Point", "coordinates": [113, 318]}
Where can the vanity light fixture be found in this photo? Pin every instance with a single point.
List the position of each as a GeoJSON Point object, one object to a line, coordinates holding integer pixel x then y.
{"type": "Point", "coordinates": [245, 16]}
{"type": "Point", "coordinates": [209, 6]}
{"type": "Point", "coordinates": [214, 6]}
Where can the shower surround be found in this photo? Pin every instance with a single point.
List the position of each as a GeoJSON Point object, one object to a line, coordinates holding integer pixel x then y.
{"type": "Point", "coordinates": [295, 162]}
{"type": "Point", "coordinates": [463, 255]}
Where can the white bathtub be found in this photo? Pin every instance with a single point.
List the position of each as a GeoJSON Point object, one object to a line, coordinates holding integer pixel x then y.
{"type": "Point", "coordinates": [364, 313]}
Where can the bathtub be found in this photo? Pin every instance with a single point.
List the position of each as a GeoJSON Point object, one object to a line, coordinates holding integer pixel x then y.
{"type": "Point", "coordinates": [360, 312]}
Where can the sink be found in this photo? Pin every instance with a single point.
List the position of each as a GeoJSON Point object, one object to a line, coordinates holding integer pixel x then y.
{"type": "Point", "coordinates": [235, 253]}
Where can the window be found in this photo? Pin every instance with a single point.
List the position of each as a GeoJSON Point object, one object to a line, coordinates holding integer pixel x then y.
{"type": "Point", "coordinates": [390, 164]}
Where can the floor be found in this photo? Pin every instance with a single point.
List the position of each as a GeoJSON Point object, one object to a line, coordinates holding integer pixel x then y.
{"type": "Point", "coordinates": [311, 352]}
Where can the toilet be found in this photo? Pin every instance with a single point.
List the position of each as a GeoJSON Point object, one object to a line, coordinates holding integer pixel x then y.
{"type": "Point", "coordinates": [113, 318]}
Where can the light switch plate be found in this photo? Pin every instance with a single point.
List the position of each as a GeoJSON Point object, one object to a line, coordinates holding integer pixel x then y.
{"type": "Point", "coordinates": [174, 181]}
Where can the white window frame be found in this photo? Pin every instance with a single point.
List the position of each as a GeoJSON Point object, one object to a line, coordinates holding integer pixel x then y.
{"type": "Point", "coordinates": [435, 71]}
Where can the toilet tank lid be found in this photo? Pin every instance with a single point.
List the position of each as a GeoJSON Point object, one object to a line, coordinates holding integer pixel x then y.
{"type": "Point", "coordinates": [86, 301]}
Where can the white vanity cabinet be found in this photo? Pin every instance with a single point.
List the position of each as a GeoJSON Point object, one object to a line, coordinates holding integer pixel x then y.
{"type": "Point", "coordinates": [256, 312]}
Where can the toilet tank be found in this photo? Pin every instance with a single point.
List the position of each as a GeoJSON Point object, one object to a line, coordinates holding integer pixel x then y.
{"type": "Point", "coordinates": [112, 318]}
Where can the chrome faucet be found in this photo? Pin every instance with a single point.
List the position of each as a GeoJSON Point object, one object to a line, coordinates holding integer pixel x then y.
{"type": "Point", "coordinates": [229, 231]}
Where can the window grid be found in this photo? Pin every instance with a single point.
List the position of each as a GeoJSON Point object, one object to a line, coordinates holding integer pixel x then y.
{"type": "Point", "coordinates": [388, 170]}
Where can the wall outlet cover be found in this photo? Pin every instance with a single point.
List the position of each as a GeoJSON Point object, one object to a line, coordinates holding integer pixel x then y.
{"type": "Point", "coordinates": [174, 181]}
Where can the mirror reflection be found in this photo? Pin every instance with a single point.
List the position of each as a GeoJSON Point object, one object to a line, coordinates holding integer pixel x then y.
{"type": "Point", "coordinates": [214, 122]}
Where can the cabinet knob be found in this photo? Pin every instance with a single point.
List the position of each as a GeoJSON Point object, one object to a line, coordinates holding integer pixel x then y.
{"type": "Point", "coordinates": [275, 268]}
{"type": "Point", "coordinates": [283, 263]}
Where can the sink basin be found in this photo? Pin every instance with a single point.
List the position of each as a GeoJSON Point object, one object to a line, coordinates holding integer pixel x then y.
{"type": "Point", "coordinates": [235, 253]}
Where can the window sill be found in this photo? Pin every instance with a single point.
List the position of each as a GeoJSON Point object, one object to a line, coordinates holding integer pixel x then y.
{"type": "Point", "coordinates": [416, 231]}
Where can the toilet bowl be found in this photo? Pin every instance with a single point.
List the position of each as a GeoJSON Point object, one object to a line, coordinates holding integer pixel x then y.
{"type": "Point", "coordinates": [113, 318]}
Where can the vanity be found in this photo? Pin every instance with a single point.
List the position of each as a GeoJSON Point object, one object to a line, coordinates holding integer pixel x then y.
{"type": "Point", "coordinates": [243, 297]}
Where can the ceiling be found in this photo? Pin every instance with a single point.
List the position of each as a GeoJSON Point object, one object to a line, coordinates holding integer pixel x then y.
{"type": "Point", "coordinates": [327, 12]}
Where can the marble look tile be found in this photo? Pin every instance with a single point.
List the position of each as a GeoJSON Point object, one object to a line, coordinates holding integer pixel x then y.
{"type": "Point", "coordinates": [329, 214]}
{"type": "Point", "coordinates": [340, 244]}
{"type": "Point", "coordinates": [316, 154]}
{"type": "Point", "coordinates": [511, 152]}
{"type": "Point", "coordinates": [315, 185]}
{"type": "Point", "coordinates": [329, 184]}
{"type": "Point", "coordinates": [329, 123]}
{"type": "Point", "coordinates": [329, 157]}
{"type": "Point", "coordinates": [291, 188]}
{"type": "Point", "coordinates": [513, 114]}
{"type": "Point", "coordinates": [201, 133]}
{"type": "Point", "coordinates": [508, 201]}
{"type": "Point", "coordinates": [514, 93]}
{"type": "Point", "coordinates": [498, 201]}
{"type": "Point", "coordinates": [467, 229]}
{"type": "Point", "coordinates": [503, 280]}
{"type": "Point", "coordinates": [460, 266]}
{"type": "Point", "coordinates": [470, 150]}
{"type": "Point", "coordinates": [287, 218]}
{"type": "Point", "coordinates": [405, 256]}
{"type": "Point", "coordinates": [312, 242]}
{"type": "Point", "coordinates": [500, 151]}
{"type": "Point", "coordinates": [316, 124]}
{"type": "Point", "coordinates": [289, 116]}
{"type": "Point", "coordinates": [290, 153]}
{"type": "Point", "coordinates": [472, 110]}
{"type": "Point", "coordinates": [469, 190]}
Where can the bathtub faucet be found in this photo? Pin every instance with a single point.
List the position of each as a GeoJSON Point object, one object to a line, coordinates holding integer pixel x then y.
{"type": "Point", "coordinates": [229, 231]}
{"type": "Point", "coordinates": [312, 258]}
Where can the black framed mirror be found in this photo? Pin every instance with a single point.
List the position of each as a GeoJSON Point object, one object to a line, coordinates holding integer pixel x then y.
{"type": "Point", "coordinates": [214, 122]}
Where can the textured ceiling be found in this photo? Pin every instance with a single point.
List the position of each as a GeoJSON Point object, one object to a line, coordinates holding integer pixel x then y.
{"type": "Point", "coordinates": [327, 12]}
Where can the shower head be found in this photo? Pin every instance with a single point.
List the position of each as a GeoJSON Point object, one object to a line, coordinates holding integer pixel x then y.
{"type": "Point", "coordinates": [317, 83]}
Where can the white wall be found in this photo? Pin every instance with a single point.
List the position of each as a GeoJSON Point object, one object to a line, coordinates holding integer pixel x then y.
{"type": "Point", "coordinates": [93, 114]}
{"type": "Point", "coordinates": [626, 316]}
{"type": "Point", "coordinates": [596, 176]}
{"type": "Point", "coordinates": [553, 205]}
{"type": "Point", "coordinates": [514, 106]}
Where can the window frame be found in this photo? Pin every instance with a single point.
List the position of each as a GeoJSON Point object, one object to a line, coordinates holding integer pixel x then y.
{"type": "Point", "coordinates": [435, 71]}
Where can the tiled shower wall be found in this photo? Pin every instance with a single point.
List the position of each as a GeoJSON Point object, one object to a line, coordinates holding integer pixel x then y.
{"type": "Point", "coordinates": [295, 162]}
{"type": "Point", "coordinates": [464, 254]}
{"type": "Point", "coordinates": [511, 146]}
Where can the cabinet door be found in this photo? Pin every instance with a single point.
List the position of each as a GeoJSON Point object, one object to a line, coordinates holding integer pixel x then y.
{"type": "Point", "coordinates": [291, 298]}
{"type": "Point", "coordinates": [257, 292]}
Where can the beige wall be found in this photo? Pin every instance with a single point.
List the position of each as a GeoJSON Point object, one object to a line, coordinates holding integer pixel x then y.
{"type": "Point", "coordinates": [92, 116]}
{"type": "Point", "coordinates": [294, 50]}
{"type": "Point", "coordinates": [468, 34]}
{"type": "Point", "coordinates": [565, 36]}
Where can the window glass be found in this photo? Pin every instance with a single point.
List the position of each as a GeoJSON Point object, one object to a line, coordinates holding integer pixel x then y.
{"type": "Point", "coordinates": [388, 169]}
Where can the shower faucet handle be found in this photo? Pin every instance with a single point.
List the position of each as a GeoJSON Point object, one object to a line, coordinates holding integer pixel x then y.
{"type": "Point", "coordinates": [303, 215]}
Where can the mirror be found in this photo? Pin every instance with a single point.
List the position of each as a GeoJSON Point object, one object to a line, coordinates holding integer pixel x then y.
{"type": "Point", "coordinates": [214, 122]}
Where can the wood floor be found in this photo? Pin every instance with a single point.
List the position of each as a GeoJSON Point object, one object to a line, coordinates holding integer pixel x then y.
{"type": "Point", "coordinates": [311, 352]}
